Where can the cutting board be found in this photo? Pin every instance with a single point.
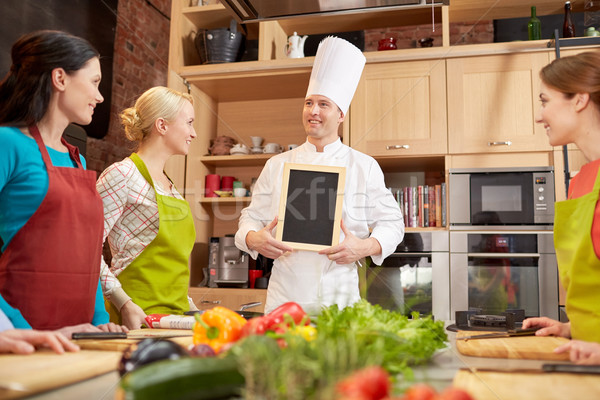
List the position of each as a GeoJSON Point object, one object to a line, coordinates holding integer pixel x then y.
{"type": "Point", "coordinates": [180, 336]}
{"type": "Point", "coordinates": [522, 347]}
{"type": "Point", "coordinates": [24, 375]}
{"type": "Point", "coordinates": [530, 386]}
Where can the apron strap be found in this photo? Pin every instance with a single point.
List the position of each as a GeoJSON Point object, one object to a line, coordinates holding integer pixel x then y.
{"type": "Point", "coordinates": [139, 163]}
{"type": "Point", "coordinates": [73, 150]}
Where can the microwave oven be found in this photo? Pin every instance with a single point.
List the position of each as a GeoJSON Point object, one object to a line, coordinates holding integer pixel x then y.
{"type": "Point", "coordinates": [516, 197]}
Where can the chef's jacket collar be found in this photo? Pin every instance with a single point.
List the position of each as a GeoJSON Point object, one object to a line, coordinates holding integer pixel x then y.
{"type": "Point", "coordinates": [330, 148]}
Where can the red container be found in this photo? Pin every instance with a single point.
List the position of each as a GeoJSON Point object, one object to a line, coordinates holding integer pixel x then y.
{"type": "Point", "coordinates": [212, 183]}
{"type": "Point", "coordinates": [227, 183]}
{"type": "Point", "coordinates": [252, 275]}
{"type": "Point", "coordinates": [387, 44]}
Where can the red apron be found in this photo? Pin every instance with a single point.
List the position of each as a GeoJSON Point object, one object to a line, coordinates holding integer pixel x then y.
{"type": "Point", "coordinates": [51, 267]}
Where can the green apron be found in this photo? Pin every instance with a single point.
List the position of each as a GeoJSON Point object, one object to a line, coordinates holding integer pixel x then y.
{"type": "Point", "coordinates": [158, 279]}
{"type": "Point", "coordinates": [578, 264]}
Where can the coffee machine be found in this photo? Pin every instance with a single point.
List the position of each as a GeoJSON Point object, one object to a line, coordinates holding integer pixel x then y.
{"type": "Point", "coordinates": [227, 265]}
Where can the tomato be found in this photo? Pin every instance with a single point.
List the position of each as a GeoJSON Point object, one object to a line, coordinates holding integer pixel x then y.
{"type": "Point", "coordinates": [420, 391]}
{"type": "Point", "coordinates": [454, 393]}
{"type": "Point", "coordinates": [371, 383]}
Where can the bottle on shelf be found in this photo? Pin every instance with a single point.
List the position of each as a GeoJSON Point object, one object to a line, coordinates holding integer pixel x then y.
{"type": "Point", "coordinates": [534, 26]}
{"type": "Point", "coordinates": [568, 26]}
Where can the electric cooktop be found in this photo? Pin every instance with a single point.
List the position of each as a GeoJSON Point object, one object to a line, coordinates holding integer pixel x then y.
{"type": "Point", "coordinates": [474, 320]}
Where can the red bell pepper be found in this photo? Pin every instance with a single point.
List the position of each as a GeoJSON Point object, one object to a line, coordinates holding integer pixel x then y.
{"type": "Point", "coordinates": [270, 322]}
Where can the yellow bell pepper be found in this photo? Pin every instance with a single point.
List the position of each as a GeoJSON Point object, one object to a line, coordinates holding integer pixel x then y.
{"type": "Point", "coordinates": [217, 327]}
{"type": "Point", "coordinates": [307, 332]}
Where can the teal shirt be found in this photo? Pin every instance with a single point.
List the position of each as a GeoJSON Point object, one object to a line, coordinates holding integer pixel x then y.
{"type": "Point", "coordinates": [23, 186]}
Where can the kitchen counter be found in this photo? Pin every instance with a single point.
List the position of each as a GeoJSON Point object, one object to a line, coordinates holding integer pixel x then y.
{"type": "Point", "coordinates": [440, 372]}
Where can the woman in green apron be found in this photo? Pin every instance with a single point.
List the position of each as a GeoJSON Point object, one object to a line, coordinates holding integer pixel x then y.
{"type": "Point", "coordinates": [570, 112]}
{"type": "Point", "coordinates": [148, 224]}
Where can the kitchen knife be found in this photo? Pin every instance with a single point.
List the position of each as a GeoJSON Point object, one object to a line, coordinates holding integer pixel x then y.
{"type": "Point", "coordinates": [99, 335]}
{"type": "Point", "coordinates": [573, 368]}
{"type": "Point", "coordinates": [123, 335]}
{"type": "Point", "coordinates": [509, 333]}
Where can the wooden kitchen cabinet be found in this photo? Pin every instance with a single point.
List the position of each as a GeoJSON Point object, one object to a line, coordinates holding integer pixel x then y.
{"type": "Point", "coordinates": [400, 109]}
{"type": "Point", "coordinates": [492, 102]}
{"type": "Point", "coordinates": [421, 98]}
{"type": "Point", "coordinates": [206, 298]}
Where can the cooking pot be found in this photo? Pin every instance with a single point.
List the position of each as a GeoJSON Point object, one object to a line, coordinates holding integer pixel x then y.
{"type": "Point", "coordinates": [242, 311]}
{"type": "Point", "coordinates": [250, 314]}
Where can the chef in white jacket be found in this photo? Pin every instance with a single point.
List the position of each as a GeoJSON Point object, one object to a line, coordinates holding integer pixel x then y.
{"type": "Point", "coordinates": [372, 223]}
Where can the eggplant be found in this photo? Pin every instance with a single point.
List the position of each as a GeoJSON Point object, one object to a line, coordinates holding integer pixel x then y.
{"type": "Point", "coordinates": [148, 351]}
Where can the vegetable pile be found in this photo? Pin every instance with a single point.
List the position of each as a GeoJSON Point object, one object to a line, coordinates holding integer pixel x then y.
{"type": "Point", "coordinates": [283, 355]}
{"type": "Point", "coordinates": [346, 340]}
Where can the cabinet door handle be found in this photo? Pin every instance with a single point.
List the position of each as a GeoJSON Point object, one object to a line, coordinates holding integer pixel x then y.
{"type": "Point", "coordinates": [398, 146]}
{"type": "Point", "coordinates": [210, 302]}
{"type": "Point", "coordinates": [507, 143]}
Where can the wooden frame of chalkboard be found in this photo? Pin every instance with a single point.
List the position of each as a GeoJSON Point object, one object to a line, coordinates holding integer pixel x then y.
{"type": "Point", "coordinates": [310, 208]}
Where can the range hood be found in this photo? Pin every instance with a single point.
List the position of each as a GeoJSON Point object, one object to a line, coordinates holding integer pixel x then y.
{"type": "Point", "coordinates": [263, 10]}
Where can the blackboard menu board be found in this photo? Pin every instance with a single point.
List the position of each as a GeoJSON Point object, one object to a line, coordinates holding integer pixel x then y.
{"type": "Point", "coordinates": [310, 208]}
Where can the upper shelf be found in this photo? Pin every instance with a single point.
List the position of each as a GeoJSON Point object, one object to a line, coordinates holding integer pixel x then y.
{"type": "Point", "coordinates": [215, 16]}
{"type": "Point", "coordinates": [250, 160]}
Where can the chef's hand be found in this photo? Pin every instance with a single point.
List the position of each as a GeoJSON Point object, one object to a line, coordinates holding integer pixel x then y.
{"type": "Point", "coordinates": [549, 327]}
{"type": "Point", "coordinates": [263, 242]}
{"type": "Point", "coordinates": [132, 315]}
{"type": "Point", "coordinates": [352, 248]}
{"type": "Point", "coordinates": [581, 352]}
{"type": "Point", "coordinates": [24, 341]}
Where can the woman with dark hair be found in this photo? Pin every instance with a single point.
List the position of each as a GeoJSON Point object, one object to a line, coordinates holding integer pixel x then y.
{"type": "Point", "coordinates": [570, 112]}
{"type": "Point", "coordinates": [51, 218]}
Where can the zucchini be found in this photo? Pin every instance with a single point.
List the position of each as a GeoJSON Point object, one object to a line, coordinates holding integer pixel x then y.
{"type": "Point", "coordinates": [184, 379]}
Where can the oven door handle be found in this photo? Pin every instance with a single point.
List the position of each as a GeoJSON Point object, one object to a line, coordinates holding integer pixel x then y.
{"type": "Point", "coordinates": [503, 255]}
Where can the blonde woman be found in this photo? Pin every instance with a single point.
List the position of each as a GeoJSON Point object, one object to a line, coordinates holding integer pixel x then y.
{"type": "Point", "coordinates": [147, 222]}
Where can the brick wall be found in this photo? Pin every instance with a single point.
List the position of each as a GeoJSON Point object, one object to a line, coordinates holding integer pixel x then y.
{"type": "Point", "coordinates": [140, 62]}
{"type": "Point", "coordinates": [408, 36]}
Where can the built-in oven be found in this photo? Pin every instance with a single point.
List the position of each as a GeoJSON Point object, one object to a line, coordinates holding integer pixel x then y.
{"type": "Point", "coordinates": [515, 197]}
{"type": "Point", "coordinates": [415, 278]}
{"type": "Point", "coordinates": [496, 271]}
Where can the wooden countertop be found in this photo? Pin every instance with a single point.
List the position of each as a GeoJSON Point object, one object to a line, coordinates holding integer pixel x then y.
{"type": "Point", "coordinates": [484, 378]}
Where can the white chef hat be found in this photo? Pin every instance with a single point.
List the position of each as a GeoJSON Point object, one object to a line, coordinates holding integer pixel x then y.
{"type": "Point", "coordinates": [336, 71]}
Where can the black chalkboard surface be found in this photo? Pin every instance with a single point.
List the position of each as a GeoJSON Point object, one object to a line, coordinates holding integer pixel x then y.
{"type": "Point", "coordinates": [310, 209]}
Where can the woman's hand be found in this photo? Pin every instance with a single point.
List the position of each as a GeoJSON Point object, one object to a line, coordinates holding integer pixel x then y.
{"type": "Point", "coordinates": [111, 327]}
{"type": "Point", "coordinates": [25, 341]}
{"type": "Point", "coordinates": [581, 352]}
{"type": "Point", "coordinates": [132, 315]}
{"type": "Point", "coordinates": [69, 330]}
{"type": "Point", "coordinates": [263, 242]}
{"type": "Point", "coordinates": [549, 327]}
{"type": "Point", "coordinates": [352, 248]}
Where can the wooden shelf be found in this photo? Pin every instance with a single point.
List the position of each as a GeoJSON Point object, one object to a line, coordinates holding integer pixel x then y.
{"type": "Point", "coordinates": [411, 163]}
{"type": "Point", "coordinates": [251, 80]}
{"type": "Point", "coordinates": [215, 16]}
{"type": "Point", "coordinates": [476, 10]}
{"type": "Point", "coordinates": [250, 160]}
{"type": "Point", "coordinates": [423, 229]}
{"type": "Point", "coordinates": [208, 17]}
{"type": "Point", "coordinates": [361, 20]}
